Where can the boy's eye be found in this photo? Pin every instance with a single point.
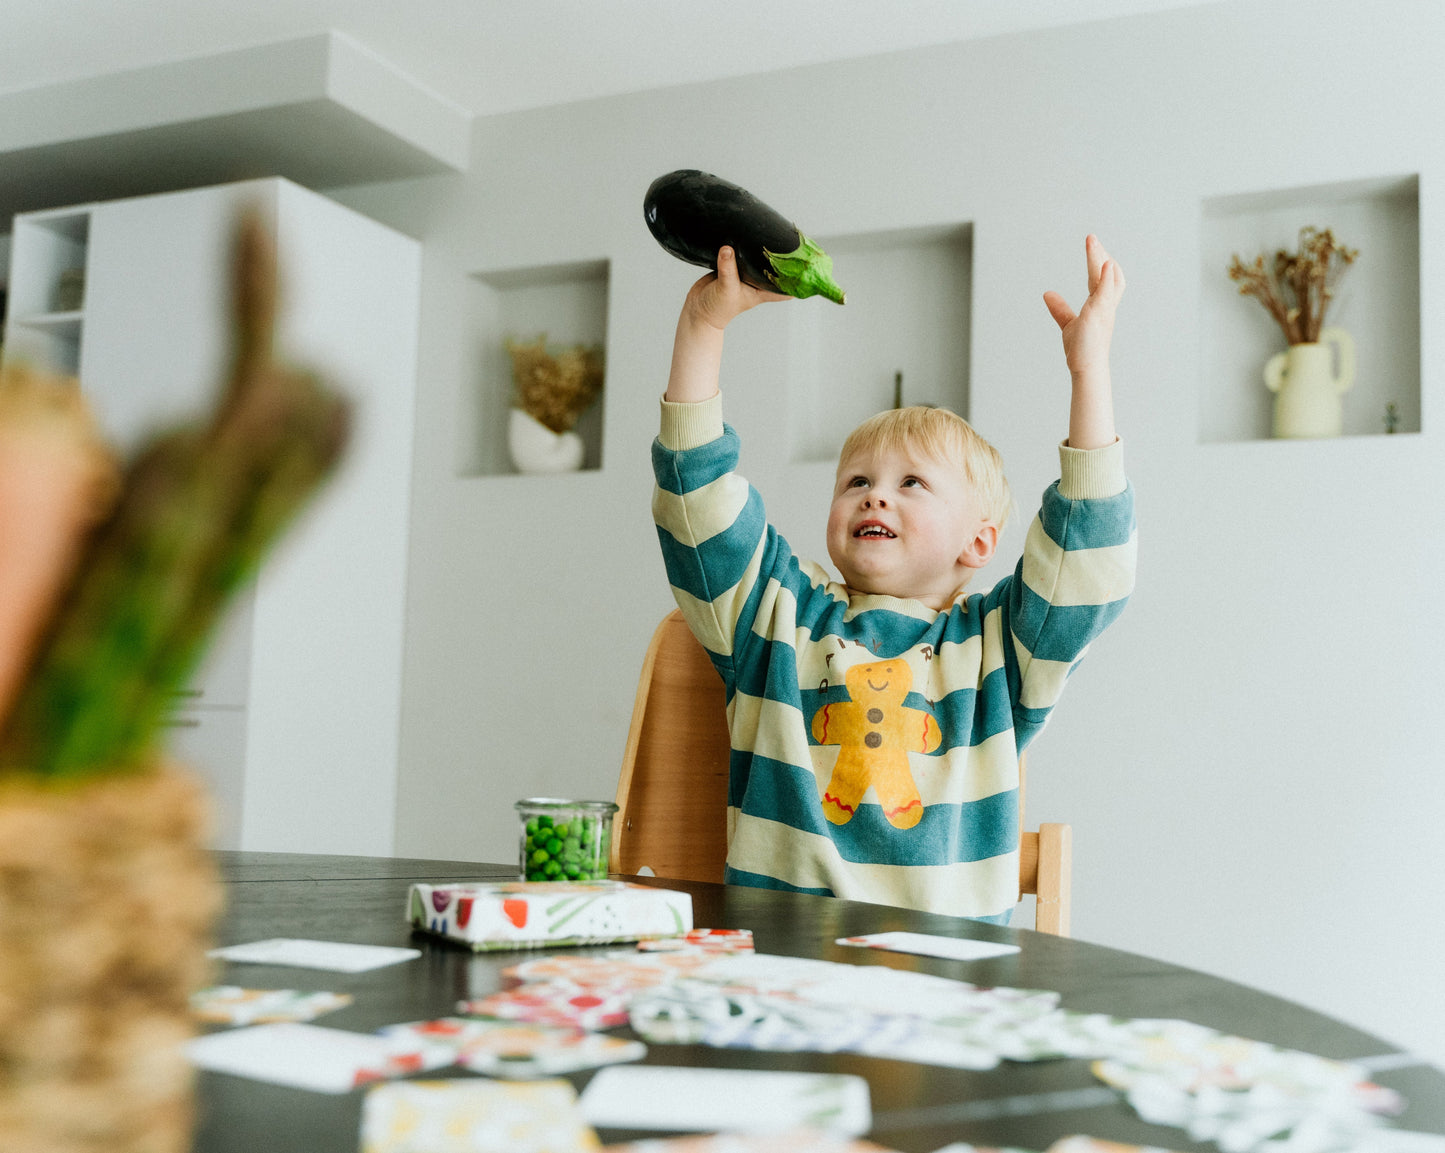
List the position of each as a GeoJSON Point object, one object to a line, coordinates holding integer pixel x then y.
{"type": "Point", "coordinates": [910, 482]}
{"type": "Point", "coordinates": [858, 482]}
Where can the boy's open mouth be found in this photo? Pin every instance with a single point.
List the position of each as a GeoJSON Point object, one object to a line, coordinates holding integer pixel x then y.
{"type": "Point", "coordinates": [874, 532]}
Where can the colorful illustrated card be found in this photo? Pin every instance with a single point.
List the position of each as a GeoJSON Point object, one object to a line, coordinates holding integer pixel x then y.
{"type": "Point", "coordinates": [231, 1005]}
{"type": "Point", "coordinates": [750, 1000]}
{"type": "Point", "coordinates": [965, 1147]}
{"type": "Point", "coordinates": [1075, 1144]}
{"type": "Point", "coordinates": [519, 1051]}
{"type": "Point", "coordinates": [726, 1100]}
{"type": "Point", "coordinates": [555, 1003]}
{"type": "Point", "coordinates": [795, 1141]}
{"type": "Point", "coordinates": [794, 1004]}
{"type": "Point", "coordinates": [928, 945]}
{"type": "Point", "coordinates": [1400, 1141]}
{"type": "Point", "coordinates": [301, 954]}
{"type": "Point", "coordinates": [474, 1116]}
{"type": "Point", "coordinates": [698, 1013]}
{"type": "Point", "coordinates": [1244, 1095]}
{"type": "Point", "coordinates": [312, 1057]}
{"type": "Point", "coordinates": [1241, 1094]}
{"type": "Point", "coordinates": [705, 940]}
{"type": "Point", "coordinates": [1081, 1144]}
{"type": "Point", "coordinates": [586, 992]}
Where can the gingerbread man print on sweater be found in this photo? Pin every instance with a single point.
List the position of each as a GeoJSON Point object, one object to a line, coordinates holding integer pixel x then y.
{"type": "Point", "coordinates": [877, 732]}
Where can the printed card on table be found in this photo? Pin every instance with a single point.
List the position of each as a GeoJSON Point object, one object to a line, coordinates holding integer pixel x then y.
{"type": "Point", "coordinates": [928, 945]}
{"type": "Point", "coordinates": [1076, 1144]}
{"type": "Point", "coordinates": [515, 1051]}
{"type": "Point", "coordinates": [726, 1100]}
{"type": "Point", "coordinates": [1246, 1094]}
{"type": "Point", "coordinates": [230, 1005]}
{"type": "Point", "coordinates": [756, 1000]}
{"type": "Point", "coordinates": [702, 940]}
{"type": "Point", "coordinates": [474, 1116]}
{"type": "Point", "coordinates": [302, 954]}
{"type": "Point", "coordinates": [558, 1003]}
{"type": "Point", "coordinates": [312, 1057]}
{"type": "Point", "coordinates": [795, 1141]}
{"type": "Point", "coordinates": [587, 992]}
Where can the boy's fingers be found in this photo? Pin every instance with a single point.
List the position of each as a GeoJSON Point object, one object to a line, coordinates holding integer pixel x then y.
{"type": "Point", "coordinates": [1059, 309]}
{"type": "Point", "coordinates": [1097, 257]}
{"type": "Point", "coordinates": [727, 273]}
{"type": "Point", "coordinates": [727, 267]}
{"type": "Point", "coordinates": [1111, 286]}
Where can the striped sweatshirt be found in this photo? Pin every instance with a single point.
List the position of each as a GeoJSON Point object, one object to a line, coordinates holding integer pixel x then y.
{"type": "Point", "coordinates": [875, 741]}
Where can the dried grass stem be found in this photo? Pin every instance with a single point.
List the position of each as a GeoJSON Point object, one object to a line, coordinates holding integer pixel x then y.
{"type": "Point", "coordinates": [1297, 288]}
{"type": "Point", "coordinates": [555, 387]}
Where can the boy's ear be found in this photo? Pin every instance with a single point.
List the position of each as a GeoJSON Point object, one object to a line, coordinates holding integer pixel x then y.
{"type": "Point", "coordinates": [978, 551]}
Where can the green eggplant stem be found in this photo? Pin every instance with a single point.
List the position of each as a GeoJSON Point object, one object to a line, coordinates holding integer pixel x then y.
{"type": "Point", "coordinates": [806, 271]}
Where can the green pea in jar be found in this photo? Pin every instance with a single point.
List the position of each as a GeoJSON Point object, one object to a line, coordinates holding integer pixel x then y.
{"type": "Point", "coordinates": [564, 840]}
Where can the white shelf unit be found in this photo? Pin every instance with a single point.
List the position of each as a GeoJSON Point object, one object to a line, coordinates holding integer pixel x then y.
{"type": "Point", "coordinates": [294, 718]}
{"type": "Point", "coordinates": [1377, 301]}
{"type": "Point", "coordinates": [908, 311]}
{"type": "Point", "coordinates": [41, 328]}
{"type": "Point", "coordinates": [565, 302]}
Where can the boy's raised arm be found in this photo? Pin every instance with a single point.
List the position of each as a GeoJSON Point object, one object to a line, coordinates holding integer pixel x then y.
{"type": "Point", "coordinates": [697, 350]}
{"type": "Point", "coordinates": [1087, 335]}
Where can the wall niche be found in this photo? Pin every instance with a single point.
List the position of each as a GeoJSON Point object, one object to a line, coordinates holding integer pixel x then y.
{"type": "Point", "coordinates": [565, 302]}
{"type": "Point", "coordinates": [910, 296]}
{"type": "Point", "coordinates": [1377, 300]}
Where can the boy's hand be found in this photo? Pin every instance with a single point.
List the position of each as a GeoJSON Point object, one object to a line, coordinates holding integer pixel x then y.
{"type": "Point", "coordinates": [1087, 335]}
{"type": "Point", "coordinates": [719, 296]}
{"type": "Point", "coordinates": [1088, 332]}
{"type": "Point", "coordinates": [711, 303]}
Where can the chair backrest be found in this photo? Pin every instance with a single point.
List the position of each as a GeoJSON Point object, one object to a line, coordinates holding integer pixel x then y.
{"type": "Point", "coordinates": [673, 789]}
{"type": "Point", "coordinates": [672, 795]}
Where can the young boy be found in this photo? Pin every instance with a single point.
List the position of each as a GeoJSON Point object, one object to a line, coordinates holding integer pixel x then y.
{"type": "Point", "coordinates": [876, 723]}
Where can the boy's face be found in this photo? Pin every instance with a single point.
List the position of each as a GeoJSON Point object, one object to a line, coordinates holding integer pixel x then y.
{"type": "Point", "coordinates": [906, 525]}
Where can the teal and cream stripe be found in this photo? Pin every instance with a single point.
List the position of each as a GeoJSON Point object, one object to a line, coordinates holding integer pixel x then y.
{"type": "Point", "coordinates": [783, 634]}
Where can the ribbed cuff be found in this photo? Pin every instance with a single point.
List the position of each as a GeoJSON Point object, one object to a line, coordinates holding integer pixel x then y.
{"type": "Point", "coordinates": [691, 425]}
{"type": "Point", "coordinates": [1093, 473]}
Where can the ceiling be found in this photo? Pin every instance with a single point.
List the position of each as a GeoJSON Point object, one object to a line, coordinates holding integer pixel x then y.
{"type": "Point", "coordinates": [491, 56]}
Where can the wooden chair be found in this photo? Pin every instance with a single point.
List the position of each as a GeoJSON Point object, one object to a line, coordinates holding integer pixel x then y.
{"type": "Point", "coordinates": [672, 792]}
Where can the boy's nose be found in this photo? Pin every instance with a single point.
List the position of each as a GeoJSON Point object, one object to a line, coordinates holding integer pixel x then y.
{"type": "Point", "coordinates": [871, 501]}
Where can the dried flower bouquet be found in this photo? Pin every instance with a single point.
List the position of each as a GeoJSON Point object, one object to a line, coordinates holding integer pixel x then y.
{"type": "Point", "coordinates": [555, 388]}
{"type": "Point", "coordinates": [1297, 289]}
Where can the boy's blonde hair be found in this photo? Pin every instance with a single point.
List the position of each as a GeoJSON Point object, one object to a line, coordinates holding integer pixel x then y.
{"type": "Point", "coordinates": [946, 437]}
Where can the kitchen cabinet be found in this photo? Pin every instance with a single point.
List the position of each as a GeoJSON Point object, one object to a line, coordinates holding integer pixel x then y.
{"type": "Point", "coordinates": [294, 716]}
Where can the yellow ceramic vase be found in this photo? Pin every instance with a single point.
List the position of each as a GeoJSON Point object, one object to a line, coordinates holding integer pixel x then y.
{"type": "Point", "coordinates": [1308, 382]}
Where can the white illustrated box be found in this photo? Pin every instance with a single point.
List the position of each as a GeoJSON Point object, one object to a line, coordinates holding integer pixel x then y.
{"type": "Point", "coordinates": [535, 914]}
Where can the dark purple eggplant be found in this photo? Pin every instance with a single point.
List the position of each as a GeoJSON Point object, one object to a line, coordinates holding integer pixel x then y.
{"type": "Point", "coordinates": [692, 214]}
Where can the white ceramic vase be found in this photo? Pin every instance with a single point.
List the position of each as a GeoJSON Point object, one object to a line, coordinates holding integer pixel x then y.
{"type": "Point", "coordinates": [536, 448]}
{"type": "Point", "coordinates": [1308, 382]}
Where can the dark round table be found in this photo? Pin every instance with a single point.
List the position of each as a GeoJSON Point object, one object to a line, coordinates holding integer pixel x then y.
{"type": "Point", "coordinates": [916, 1108]}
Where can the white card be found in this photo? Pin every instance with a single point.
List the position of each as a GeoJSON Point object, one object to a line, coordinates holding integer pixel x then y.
{"type": "Point", "coordinates": [474, 1116]}
{"type": "Point", "coordinates": [300, 954]}
{"type": "Point", "coordinates": [927, 945]}
{"type": "Point", "coordinates": [310, 1056]}
{"type": "Point", "coordinates": [727, 1100]}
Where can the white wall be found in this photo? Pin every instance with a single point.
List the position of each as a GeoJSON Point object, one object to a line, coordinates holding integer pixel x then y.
{"type": "Point", "coordinates": [1249, 758]}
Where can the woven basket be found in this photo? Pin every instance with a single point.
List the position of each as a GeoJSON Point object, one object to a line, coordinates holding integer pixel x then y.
{"type": "Point", "coordinates": [107, 902]}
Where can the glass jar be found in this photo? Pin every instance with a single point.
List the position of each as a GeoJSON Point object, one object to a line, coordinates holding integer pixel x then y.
{"type": "Point", "coordinates": [564, 840]}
